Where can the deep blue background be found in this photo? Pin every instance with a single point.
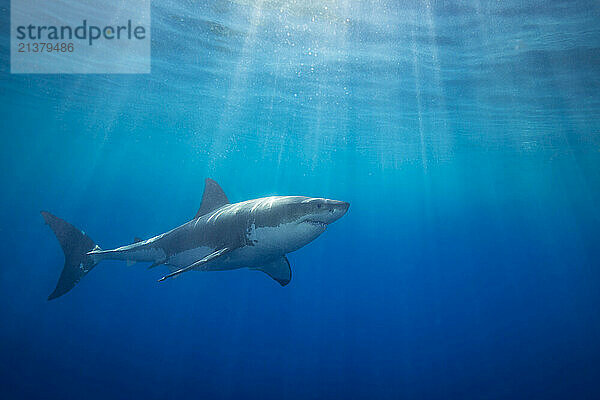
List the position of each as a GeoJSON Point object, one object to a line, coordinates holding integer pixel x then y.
{"type": "Point", "coordinates": [465, 136]}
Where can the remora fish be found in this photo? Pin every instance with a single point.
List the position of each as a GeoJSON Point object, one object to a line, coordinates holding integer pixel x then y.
{"type": "Point", "coordinates": [255, 234]}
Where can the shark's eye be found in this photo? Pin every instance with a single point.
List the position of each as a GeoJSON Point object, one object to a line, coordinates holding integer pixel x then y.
{"type": "Point", "coordinates": [319, 205]}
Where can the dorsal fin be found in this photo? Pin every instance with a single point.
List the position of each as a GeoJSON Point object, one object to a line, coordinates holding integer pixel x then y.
{"type": "Point", "coordinates": [137, 239]}
{"type": "Point", "coordinates": [213, 198]}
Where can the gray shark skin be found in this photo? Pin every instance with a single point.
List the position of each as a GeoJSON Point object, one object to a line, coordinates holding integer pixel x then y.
{"type": "Point", "coordinates": [255, 234]}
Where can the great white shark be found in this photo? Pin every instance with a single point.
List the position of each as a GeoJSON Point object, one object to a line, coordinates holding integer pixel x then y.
{"type": "Point", "coordinates": [255, 234]}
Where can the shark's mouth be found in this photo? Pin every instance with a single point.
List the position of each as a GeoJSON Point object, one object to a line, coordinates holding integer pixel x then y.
{"type": "Point", "coordinates": [316, 223]}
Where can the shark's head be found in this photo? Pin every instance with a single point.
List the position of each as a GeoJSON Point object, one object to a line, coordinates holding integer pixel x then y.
{"type": "Point", "coordinates": [294, 221]}
{"type": "Point", "coordinates": [318, 211]}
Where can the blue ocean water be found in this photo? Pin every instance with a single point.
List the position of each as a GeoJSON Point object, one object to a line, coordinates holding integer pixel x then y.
{"type": "Point", "coordinates": [465, 135]}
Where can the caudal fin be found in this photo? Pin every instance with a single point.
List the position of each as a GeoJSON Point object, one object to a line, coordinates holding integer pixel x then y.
{"type": "Point", "coordinates": [75, 244]}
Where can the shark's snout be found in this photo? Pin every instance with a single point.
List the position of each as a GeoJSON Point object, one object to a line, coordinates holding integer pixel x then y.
{"type": "Point", "coordinates": [344, 206]}
{"type": "Point", "coordinates": [326, 211]}
{"type": "Point", "coordinates": [338, 209]}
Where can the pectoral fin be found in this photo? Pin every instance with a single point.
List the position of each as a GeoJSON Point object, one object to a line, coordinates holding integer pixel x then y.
{"type": "Point", "coordinates": [278, 269]}
{"type": "Point", "coordinates": [212, 256]}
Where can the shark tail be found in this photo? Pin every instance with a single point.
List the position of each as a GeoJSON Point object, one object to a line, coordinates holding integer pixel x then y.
{"type": "Point", "coordinates": [75, 245]}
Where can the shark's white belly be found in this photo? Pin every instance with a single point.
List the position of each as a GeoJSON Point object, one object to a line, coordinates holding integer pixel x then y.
{"type": "Point", "coordinates": [284, 238]}
{"type": "Point", "coordinates": [267, 243]}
